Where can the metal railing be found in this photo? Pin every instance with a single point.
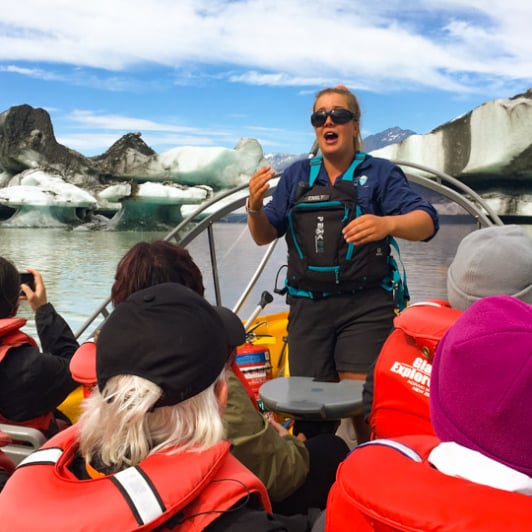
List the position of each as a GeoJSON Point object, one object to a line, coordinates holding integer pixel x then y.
{"type": "Point", "coordinates": [202, 219]}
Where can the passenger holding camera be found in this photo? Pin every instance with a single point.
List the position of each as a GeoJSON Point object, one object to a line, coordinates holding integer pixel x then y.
{"type": "Point", "coordinates": [33, 383]}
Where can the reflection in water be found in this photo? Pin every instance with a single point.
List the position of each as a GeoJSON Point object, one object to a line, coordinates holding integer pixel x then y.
{"type": "Point", "coordinates": [78, 267]}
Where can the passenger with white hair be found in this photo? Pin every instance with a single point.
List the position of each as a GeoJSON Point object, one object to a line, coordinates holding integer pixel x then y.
{"type": "Point", "coordinates": [148, 451]}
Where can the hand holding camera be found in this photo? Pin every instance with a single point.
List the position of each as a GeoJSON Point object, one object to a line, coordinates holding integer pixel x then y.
{"type": "Point", "coordinates": [32, 288]}
{"type": "Point", "coordinates": [27, 278]}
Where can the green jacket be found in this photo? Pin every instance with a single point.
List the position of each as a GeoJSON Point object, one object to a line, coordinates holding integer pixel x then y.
{"type": "Point", "coordinates": [281, 462]}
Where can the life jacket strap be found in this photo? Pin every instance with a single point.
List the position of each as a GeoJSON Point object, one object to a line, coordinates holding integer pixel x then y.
{"type": "Point", "coordinates": [316, 162]}
{"type": "Point", "coordinates": [395, 281]}
{"type": "Point", "coordinates": [48, 456]}
{"type": "Point", "coordinates": [398, 446]}
{"type": "Point", "coordinates": [138, 491]}
{"type": "Point", "coordinates": [140, 494]}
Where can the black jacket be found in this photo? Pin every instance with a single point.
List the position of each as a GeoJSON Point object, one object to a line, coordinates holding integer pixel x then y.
{"type": "Point", "coordinates": [33, 383]}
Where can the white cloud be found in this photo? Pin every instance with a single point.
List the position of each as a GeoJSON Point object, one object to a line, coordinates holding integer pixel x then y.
{"type": "Point", "coordinates": [100, 131]}
{"type": "Point", "coordinates": [37, 73]}
{"type": "Point", "coordinates": [87, 119]}
{"type": "Point", "coordinates": [445, 44]}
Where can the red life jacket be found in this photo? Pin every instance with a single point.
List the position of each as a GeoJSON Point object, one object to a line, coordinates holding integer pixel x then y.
{"type": "Point", "coordinates": [388, 486]}
{"type": "Point", "coordinates": [402, 371]}
{"type": "Point", "coordinates": [12, 336]}
{"type": "Point", "coordinates": [193, 488]}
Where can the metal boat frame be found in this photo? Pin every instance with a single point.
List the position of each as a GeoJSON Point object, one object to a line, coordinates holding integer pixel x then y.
{"type": "Point", "coordinates": [229, 201]}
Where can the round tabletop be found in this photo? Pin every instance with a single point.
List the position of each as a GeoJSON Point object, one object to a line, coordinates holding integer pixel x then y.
{"type": "Point", "coordinates": [306, 398]}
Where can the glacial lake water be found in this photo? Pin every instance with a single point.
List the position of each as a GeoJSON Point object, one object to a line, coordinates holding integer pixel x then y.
{"type": "Point", "coordinates": [78, 267]}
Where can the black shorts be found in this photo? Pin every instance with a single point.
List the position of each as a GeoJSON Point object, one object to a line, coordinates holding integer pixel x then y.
{"type": "Point", "coordinates": [338, 333]}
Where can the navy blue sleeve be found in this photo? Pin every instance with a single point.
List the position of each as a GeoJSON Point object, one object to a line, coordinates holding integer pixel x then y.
{"type": "Point", "coordinates": [384, 190]}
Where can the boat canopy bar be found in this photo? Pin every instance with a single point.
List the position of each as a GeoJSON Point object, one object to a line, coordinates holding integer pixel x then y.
{"type": "Point", "coordinates": [233, 199]}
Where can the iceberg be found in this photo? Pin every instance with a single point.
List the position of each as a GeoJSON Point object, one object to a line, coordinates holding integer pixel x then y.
{"type": "Point", "coordinates": [44, 200]}
{"type": "Point", "coordinates": [155, 204]}
{"type": "Point", "coordinates": [488, 149]}
{"type": "Point", "coordinates": [218, 167]}
{"type": "Point", "coordinates": [130, 185]}
{"type": "Point", "coordinates": [492, 140]}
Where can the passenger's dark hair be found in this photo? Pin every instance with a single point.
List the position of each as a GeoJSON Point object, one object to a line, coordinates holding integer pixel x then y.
{"type": "Point", "coordinates": [9, 288]}
{"type": "Point", "coordinates": [150, 263]}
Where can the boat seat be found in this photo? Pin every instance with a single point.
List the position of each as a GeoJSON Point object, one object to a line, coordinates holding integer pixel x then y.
{"type": "Point", "coordinates": [307, 399]}
{"type": "Point", "coordinates": [24, 440]}
{"type": "Point", "coordinates": [7, 465]}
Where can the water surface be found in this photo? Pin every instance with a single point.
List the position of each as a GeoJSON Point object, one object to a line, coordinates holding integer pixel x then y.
{"type": "Point", "coordinates": [78, 267]}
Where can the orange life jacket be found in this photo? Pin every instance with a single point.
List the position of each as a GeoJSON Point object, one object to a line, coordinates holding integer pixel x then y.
{"type": "Point", "coordinates": [12, 336]}
{"type": "Point", "coordinates": [389, 486]}
{"type": "Point", "coordinates": [192, 488]}
{"type": "Point", "coordinates": [402, 371]}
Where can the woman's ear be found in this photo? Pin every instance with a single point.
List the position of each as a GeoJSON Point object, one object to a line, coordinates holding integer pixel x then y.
{"type": "Point", "coordinates": [221, 390]}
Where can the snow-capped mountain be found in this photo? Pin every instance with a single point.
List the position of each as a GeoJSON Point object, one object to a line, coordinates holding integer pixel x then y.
{"type": "Point", "coordinates": [280, 161]}
{"type": "Point", "coordinates": [391, 135]}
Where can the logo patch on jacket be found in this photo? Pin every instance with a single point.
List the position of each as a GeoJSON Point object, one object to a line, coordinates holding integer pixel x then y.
{"type": "Point", "coordinates": [318, 197]}
{"type": "Point", "coordinates": [319, 235]}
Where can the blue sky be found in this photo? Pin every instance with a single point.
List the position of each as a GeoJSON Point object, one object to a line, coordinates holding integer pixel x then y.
{"type": "Point", "coordinates": [207, 73]}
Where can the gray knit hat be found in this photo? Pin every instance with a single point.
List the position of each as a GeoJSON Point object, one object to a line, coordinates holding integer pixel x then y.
{"type": "Point", "coordinates": [496, 260]}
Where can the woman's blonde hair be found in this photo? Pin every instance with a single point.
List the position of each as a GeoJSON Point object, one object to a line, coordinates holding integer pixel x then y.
{"type": "Point", "coordinates": [352, 105]}
{"type": "Point", "coordinates": [119, 427]}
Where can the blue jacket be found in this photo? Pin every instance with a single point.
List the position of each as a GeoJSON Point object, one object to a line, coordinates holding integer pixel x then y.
{"type": "Point", "coordinates": [381, 187]}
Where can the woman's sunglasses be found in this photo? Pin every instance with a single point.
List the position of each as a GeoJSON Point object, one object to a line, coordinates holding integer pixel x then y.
{"type": "Point", "coordinates": [338, 116]}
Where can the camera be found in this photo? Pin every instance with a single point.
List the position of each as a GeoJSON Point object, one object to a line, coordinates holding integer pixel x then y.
{"type": "Point", "coordinates": [27, 278]}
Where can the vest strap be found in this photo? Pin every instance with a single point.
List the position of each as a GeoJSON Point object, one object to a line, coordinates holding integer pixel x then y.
{"type": "Point", "coordinates": [393, 444]}
{"type": "Point", "coordinates": [132, 483]}
{"type": "Point", "coordinates": [395, 281]}
{"type": "Point", "coordinates": [49, 456]}
{"type": "Point", "coordinates": [316, 162]}
{"type": "Point", "coordinates": [140, 494]}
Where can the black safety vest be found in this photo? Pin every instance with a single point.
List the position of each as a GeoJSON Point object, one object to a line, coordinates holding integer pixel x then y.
{"type": "Point", "coordinates": [320, 261]}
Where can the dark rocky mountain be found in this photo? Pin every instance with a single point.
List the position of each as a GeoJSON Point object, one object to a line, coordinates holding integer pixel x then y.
{"type": "Point", "coordinates": [27, 140]}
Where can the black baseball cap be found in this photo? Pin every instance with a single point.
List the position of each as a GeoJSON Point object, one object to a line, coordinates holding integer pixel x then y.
{"type": "Point", "coordinates": [169, 335]}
